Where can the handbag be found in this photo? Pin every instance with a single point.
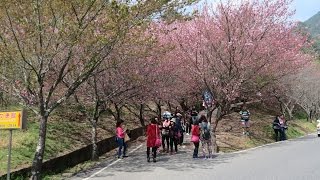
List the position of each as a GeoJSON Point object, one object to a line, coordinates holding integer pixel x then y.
{"type": "Point", "coordinates": [195, 138]}
{"type": "Point", "coordinates": [158, 139]}
{"type": "Point", "coordinates": [195, 130]}
{"type": "Point", "coordinates": [126, 137]}
{"type": "Point", "coordinates": [178, 134]}
{"type": "Point", "coordinates": [165, 132]}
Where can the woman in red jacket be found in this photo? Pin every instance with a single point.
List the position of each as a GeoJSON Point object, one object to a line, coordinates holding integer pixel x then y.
{"type": "Point", "coordinates": [195, 138]}
{"type": "Point", "coordinates": [153, 133]}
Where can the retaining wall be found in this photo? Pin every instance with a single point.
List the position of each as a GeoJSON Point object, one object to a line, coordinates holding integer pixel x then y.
{"type": "Point", "coordinates": [61, 163]}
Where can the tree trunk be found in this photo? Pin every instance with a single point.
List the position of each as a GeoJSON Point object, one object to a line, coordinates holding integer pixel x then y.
{"type": "Point", "coordinates": [184, 105]}
{"type": "Point", "coordinates": [215, 147]}
{"type": "Point", "coordinates": [159, 109]}
{"type": "Point", "coordinates": [94, 155]}
{"type": "Point", "coordinates": [38, 157]}
{"type": "Point", "coordinates": [141, 117]}
{"type": "Point", "coordinates": [169, 106]}
{"type": "Point", "coordinates": [209, 114]}
{"type": "Point", "coordinates": [310, 115]}
{"type": "Point", "coordinates": [282, 109]}
{"type": "Point", "coordinates": [289, 110]}
{"type": "Point", "coordinates": [290, 114]}
{"type": "Point", "coordinates": [76, 98]}
{"type": "Point", "coordinates": [118, 112]}
{"type": "Point", "coordinates": [218, 117]}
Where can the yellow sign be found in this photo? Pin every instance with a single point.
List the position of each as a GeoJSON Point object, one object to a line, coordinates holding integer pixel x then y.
{"type": "Point", "coordinates": [11, 120]}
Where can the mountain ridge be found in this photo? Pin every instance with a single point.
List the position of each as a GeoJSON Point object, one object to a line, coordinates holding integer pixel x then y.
{"type": "Point", "coordinates": [313, 24]}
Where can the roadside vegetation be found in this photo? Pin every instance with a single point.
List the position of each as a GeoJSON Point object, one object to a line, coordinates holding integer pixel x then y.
{"type": "Point", "coordinates": [68, 132]}
{"type": "Point", "coordinates": [80, 66]}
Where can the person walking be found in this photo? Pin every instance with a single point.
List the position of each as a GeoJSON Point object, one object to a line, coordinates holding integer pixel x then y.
{"type": "Point", "coordinates": [174, 136]}
{"type": "Point", "coordinates": [120, 138]}
{"type": "Point", "coordinates": [180, 127]}
{"type": "Point", "coordinates": [165, 131]}
{"type": "Point", "coordinates": [195, 138]}
{"type": "Point", "coordinates": [194, 114]}
{"type": "Point", "coordinates": [188, 123]}
{"type": "Point", "coordinates": [276, 127]}
{"type": "Point", "coordinates": [153, 133]}
{"type": "Point", "coordinates": [245, 114]}
{"type": "Point", "coordinates": [205, 137]}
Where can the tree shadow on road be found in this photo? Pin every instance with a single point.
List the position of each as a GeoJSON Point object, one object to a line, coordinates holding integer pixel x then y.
{"type": "Point", "coordinates": [182, 161]}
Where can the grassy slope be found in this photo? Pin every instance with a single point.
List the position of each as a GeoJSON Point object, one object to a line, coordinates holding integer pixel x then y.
{"type": "Point", "coordinates": [230, 136]}
{"type": "Point", "coordinates": [66, 132]}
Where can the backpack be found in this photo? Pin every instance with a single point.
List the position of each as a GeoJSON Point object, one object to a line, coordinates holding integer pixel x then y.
{"type": "Point", "coordinates": [206, 132]}
{"type": "Point", "coordinates": [245, 115]}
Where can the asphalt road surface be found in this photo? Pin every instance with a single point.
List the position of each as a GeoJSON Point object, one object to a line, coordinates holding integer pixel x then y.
{"type": "Point", "coordinates": [297, 159]}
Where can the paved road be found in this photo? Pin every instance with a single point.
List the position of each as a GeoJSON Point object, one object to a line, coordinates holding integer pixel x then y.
{"type": "Point", "coordinates": [290, 160]}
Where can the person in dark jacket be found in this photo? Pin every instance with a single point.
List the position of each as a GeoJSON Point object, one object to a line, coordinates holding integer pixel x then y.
{"type": "Point", "coordinates": [174, 136]}
{"type": "Point", "coordinates": [276, 127]}
{"type": "Point", "coordinates": [180, 127]}
{"type": "Point", "coordinates": [194, 114]}
{"type": "Point", "coordinates": [279, 127]}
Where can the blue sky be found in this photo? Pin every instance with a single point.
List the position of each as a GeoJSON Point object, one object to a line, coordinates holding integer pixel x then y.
{"type": "Point", "coordinates": [304, 8]}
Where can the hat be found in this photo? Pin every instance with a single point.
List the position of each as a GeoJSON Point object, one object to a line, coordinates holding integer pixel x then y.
{"type": "Point", "coordinates": [178, 114]}
{"type": "Point", "coordinates": [167, 115]}
{"type": "Point", "coordinates": [120, 121]}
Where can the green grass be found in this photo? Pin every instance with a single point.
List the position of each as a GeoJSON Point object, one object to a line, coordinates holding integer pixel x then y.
{"type": "Point", "coordinates": [300, 115]}
{"type": "Point", "coordinates": [66, 132]}
{"type": "Point", "coordinates": [299, 128]}
{"type": "Point", "coordinates": [59, 139]}
{"type": "Point", "coordinates": [23, 146]}
{"type": "Point", "coordinates": [296, 128]}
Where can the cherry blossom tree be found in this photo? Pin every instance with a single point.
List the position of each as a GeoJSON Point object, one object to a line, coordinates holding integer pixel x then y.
{"type": "Point", "coordinates": [53, 47]}
{"type": "Point", "coordinates": [235, 49]}
{"type": "Point", "coordinates": [304, 90]}
{"type": "Point", "coordinates": [129, 78]}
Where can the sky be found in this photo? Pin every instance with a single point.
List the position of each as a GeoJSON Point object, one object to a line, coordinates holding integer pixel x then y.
{"type": "Point", "coordinates": [304, 8]}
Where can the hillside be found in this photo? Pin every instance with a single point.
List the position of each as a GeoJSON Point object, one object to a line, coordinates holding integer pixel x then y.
{"type": "Point", "coordinates": [229, 132]}
{"type": "Point", "coordinates": [67, 131]}
{"type": "Point", "coordinates": [313, 25]}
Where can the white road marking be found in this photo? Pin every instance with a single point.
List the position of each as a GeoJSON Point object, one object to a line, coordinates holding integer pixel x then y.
{"type": "Point", "coordinates": [215, 153]}
{"type": "Point", "coordinates": [112, 163]}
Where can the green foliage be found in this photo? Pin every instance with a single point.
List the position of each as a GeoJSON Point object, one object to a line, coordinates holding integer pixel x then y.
{"type": "Point", "coordinates": [312, 26]}
{"type": "Point", "coordinates": [300, 115]}
{"type": "Point", "coordinates": [294, 132]}
{"type": "Point", "coordinates": [269, 131]}
{"type": "Point", "coordinates": [299, 127]}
